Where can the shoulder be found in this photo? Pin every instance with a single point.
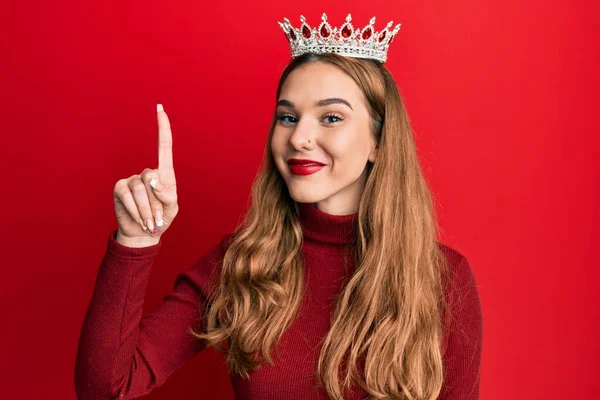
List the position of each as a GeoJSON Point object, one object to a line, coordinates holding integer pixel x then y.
{"type": "Point", "coordinates": [453, 256]}
{"type": "Point", "coordinates": [210, 263]}
{"type": "Point", "coordinates": [205, 272]}
{"type": "Point", "coordinates": [461, 288]}
{"type": "Point", "coordinates": [460, 272]}
{"type": "Point", "coordinates": [462, 294]}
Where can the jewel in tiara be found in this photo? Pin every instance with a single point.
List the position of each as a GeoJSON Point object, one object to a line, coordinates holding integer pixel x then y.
{"type": "Point", "coordinates": [345, 40]}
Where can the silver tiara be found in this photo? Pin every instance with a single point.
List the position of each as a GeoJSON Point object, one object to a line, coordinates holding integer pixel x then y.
{"type": "Point", "coordinates": [346, 41]}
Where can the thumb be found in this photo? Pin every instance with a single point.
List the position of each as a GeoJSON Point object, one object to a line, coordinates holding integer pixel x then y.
{"type": "Point", "coordinates": [157, 186]}
{"type": "Point", "coordinates": [168, 199]}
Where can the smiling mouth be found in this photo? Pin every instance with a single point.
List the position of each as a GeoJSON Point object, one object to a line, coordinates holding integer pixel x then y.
{"type": "Point", "coordinates": [305, 169]}
{"type": "Point", "coordinates": [295, 161]}
{"type": "Point", "coordinates": [306, 164]}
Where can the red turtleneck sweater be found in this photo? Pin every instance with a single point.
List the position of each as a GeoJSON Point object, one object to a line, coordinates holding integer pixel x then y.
{"type": "Point", "coordinates": [122, 354]}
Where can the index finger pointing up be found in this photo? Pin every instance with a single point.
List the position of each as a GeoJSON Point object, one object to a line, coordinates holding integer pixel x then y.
{"type": "Point", "coordinates": [165, 140]}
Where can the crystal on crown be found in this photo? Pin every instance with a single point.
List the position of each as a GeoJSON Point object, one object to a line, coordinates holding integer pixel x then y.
{"type": "Point", "coordinates": [345, 40]}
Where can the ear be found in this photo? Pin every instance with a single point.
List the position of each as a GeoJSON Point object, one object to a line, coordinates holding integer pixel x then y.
{"type": "Point", "coordinates": [373, 154]}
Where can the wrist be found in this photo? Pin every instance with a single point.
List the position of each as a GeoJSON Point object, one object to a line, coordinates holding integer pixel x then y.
{"type": "Point", "coordinates": [137, 242]}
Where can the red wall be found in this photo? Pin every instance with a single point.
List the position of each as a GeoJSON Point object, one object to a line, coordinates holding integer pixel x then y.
{"type": "Point", "coordinates": [503, 96]}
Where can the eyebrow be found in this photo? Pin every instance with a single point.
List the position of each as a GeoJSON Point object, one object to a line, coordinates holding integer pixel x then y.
{"type": "Point", "coordinates": [320, 103]}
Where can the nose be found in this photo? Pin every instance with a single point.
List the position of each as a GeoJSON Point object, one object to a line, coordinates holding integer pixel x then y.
{"type": "Point", "coordinates": [302, 137]}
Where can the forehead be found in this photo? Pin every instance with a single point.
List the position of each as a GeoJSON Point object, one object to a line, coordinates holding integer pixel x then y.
{"type": "Point", "coordinates": [316, 81]}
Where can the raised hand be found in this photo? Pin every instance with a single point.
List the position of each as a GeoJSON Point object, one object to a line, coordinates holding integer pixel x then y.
{"type": "Point", "coordinates": [146, 204]}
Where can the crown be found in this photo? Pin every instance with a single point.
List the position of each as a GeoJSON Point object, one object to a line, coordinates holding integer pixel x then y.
{"type": "Point", "coordinates": [346, 41]}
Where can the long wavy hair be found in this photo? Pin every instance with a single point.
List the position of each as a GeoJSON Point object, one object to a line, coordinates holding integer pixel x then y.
{"type": "Point", "coordinates": [389, 315]}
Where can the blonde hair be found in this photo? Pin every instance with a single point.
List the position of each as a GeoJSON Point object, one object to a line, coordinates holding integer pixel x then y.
{"type": "Point", "coordinates": [390, 313]}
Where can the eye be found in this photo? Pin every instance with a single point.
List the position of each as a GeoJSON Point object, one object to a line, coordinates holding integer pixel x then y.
{"type": "Point", "coordinates": [286, 118]}
{"type": "Point", "coordinates": [329, 116]}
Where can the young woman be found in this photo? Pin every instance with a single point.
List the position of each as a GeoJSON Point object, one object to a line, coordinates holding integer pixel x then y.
{"type": "Point", "coordinates": [334, 285]}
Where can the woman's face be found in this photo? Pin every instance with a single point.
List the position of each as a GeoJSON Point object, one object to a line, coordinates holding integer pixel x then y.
{"type": "Point", "coordinates": [323, 117]}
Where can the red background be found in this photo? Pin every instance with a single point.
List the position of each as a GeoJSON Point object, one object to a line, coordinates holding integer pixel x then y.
{"type": "Point", "coordinates": [503, 97]}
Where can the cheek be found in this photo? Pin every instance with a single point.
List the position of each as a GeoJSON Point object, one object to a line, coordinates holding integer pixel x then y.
{"type": "Point", "coordinates": [276, 145]}
{"type": "Point", "coordinates": [346, 149]}
{"type": "Point", "coordinates": [278, 149]}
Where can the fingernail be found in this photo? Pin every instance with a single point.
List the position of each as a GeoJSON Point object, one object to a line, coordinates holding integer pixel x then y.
{"type": "Point", "coordinates": [150, 225]}
{"type": "Point", "coordinates": [153, 183]}
{"type": "Point", "coordinates": [159, 108]}
{"type": "Point", "coordinates": [158, 218]}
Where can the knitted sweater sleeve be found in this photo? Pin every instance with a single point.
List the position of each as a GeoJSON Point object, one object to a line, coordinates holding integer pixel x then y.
{"type": "Point", "coordinates": [464, 336]}
{"type": "Point", "coordinates": [122, 354]}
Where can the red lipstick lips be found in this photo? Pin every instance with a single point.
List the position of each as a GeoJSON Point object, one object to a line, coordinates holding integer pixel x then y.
{"type": "Point", "coordinates": [304, 167]}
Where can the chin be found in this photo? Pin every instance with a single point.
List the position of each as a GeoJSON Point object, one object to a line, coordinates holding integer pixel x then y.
{"type": "Point", "coordinates": [300, 195]}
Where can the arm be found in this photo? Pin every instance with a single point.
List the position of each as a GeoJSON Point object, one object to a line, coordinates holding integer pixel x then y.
{"type": "Point", "coordinates": [122, 355]}
{"type": "Point", "coordinates": [464, 338]}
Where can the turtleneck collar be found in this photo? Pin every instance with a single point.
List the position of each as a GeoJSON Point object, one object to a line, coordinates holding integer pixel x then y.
{"type": "Point", "coordinates": [328, 228]}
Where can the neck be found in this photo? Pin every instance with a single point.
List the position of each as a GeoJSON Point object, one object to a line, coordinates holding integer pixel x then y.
{"type": "Point", "coordinates": [320, 226]}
